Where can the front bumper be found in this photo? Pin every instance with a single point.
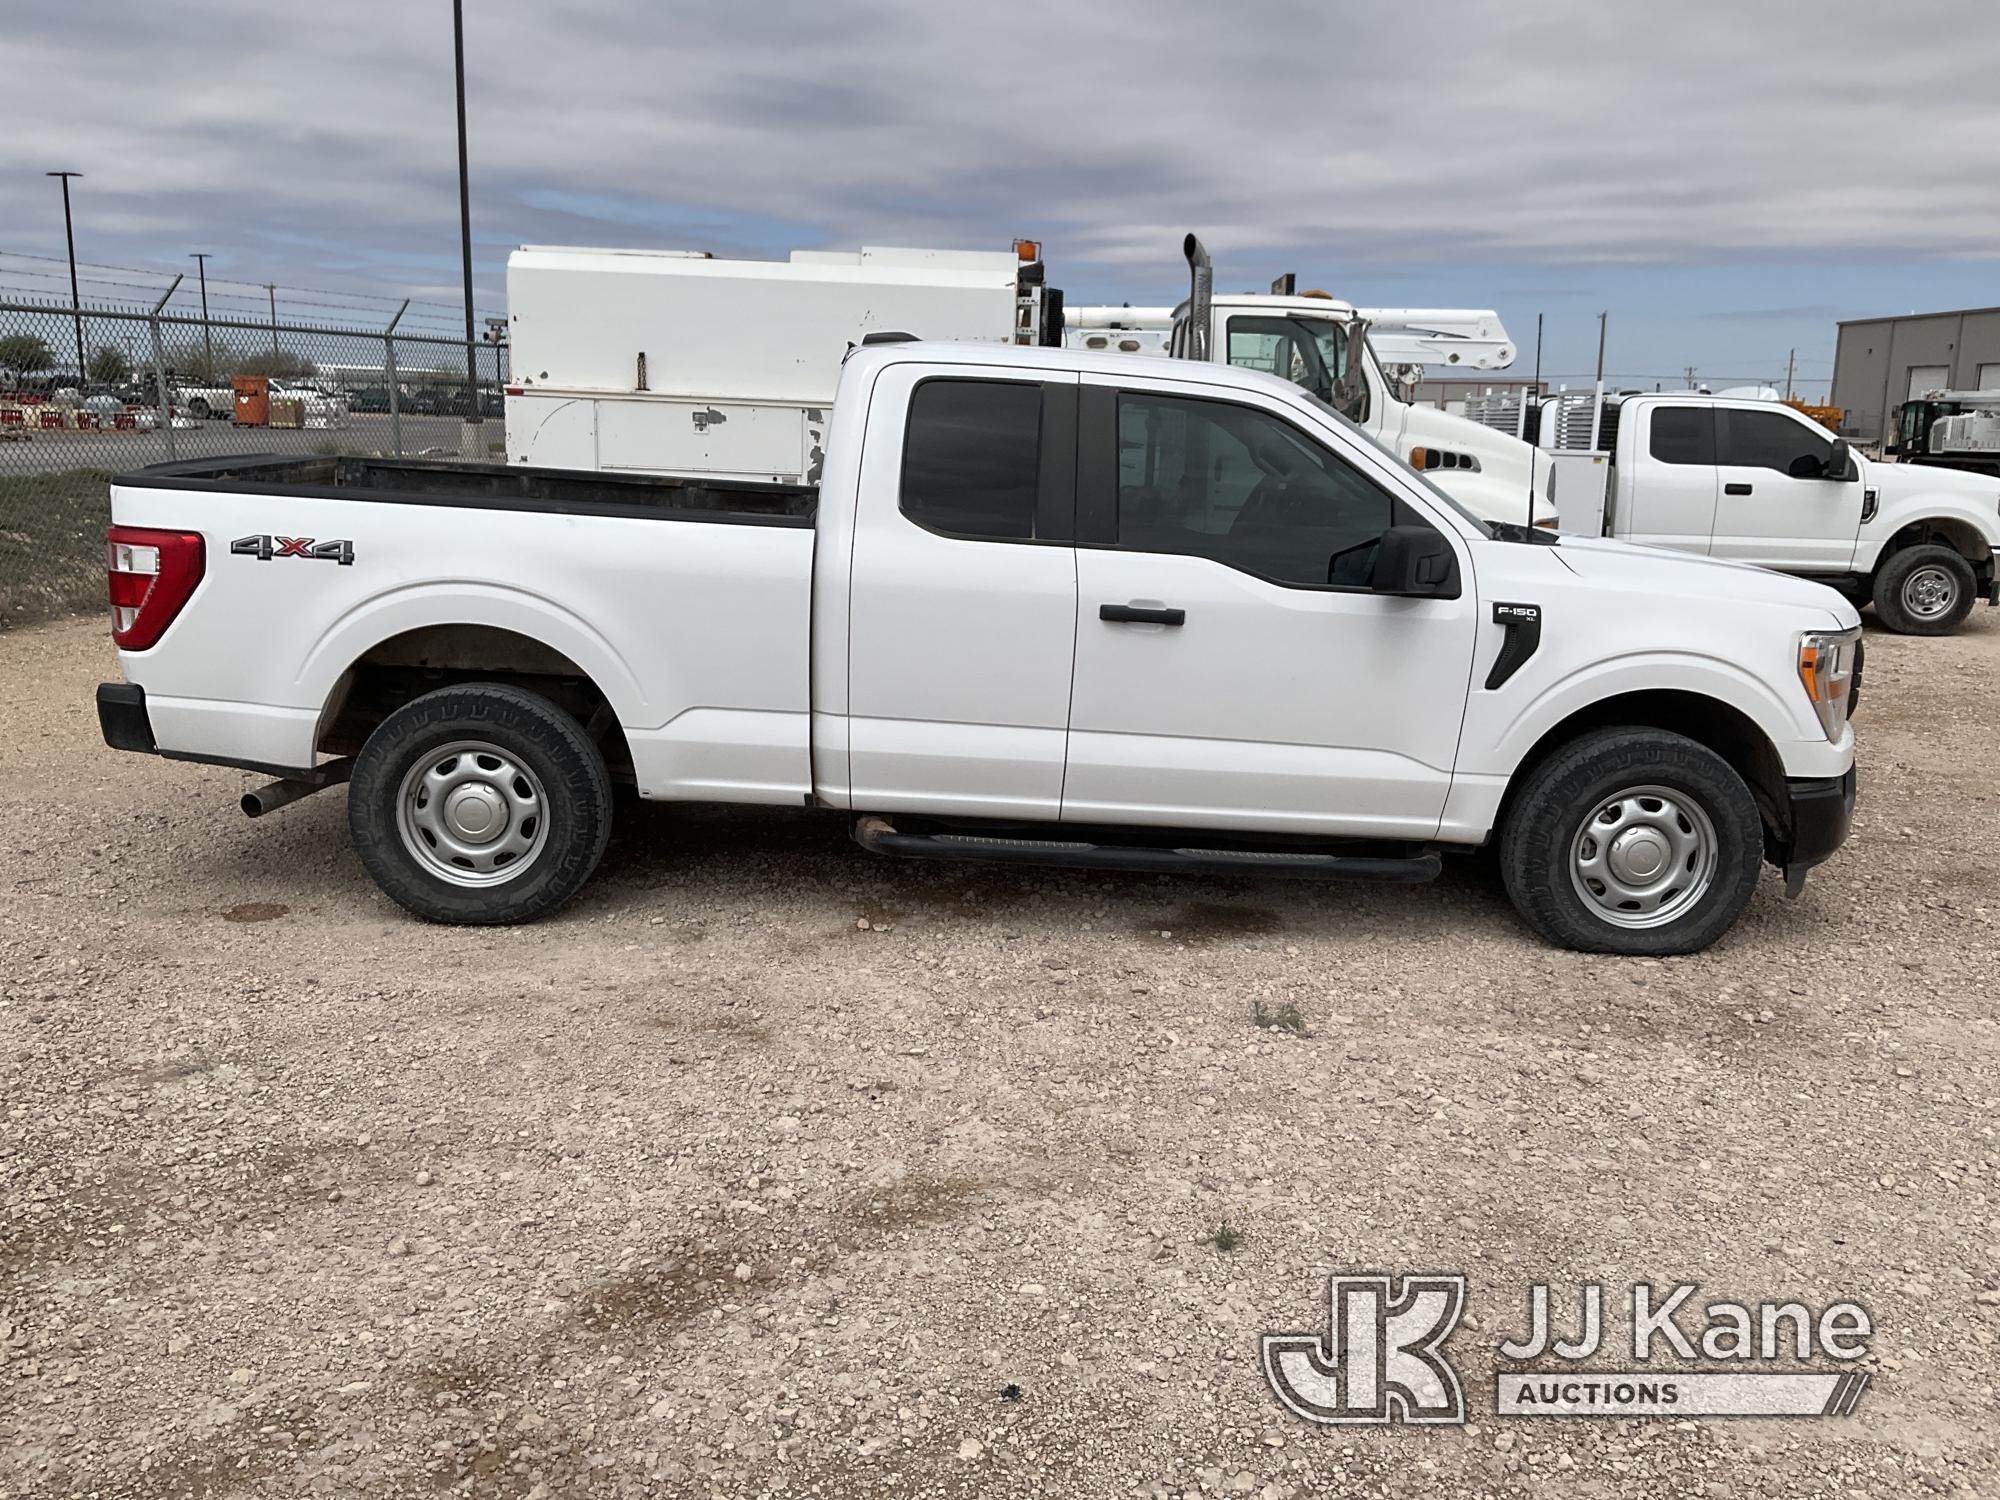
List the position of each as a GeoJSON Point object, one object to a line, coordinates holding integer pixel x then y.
{"type": "Point", "coordinates": [1817, 817]}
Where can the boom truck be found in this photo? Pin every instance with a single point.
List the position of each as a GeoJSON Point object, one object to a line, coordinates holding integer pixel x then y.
{"type": "Point", "coordinates": [675, 362]}
{"type": "Point", "coordinates": [1952, 430]}
{"type": "Point", "coordinates": [1306, 338]}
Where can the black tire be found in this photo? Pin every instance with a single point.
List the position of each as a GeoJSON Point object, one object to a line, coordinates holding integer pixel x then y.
{"type": "Point", "coordinates": [1910, 580]}
{"type": "Point", "coordinates": [1547, 820]}
{"type": "Point", "coordinates": [569, 811]}
{"type": "Point", "coordinates": [198, 409]}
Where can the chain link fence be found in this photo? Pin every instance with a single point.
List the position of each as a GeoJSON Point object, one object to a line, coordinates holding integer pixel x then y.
{"type": "Point", "coordinates": [88, 395]}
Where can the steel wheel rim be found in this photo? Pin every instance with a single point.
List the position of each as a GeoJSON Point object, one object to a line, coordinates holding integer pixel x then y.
{"type": "Point", "coordinates": [1644, 857]}
{"type": "Point", "coordinates": [472, 814]}
{"type": "Point", "coordinates": [1929, 592]}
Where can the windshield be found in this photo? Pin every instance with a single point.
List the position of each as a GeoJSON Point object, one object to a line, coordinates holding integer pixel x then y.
{"type": "Point", "coordinates": [1312, 353]}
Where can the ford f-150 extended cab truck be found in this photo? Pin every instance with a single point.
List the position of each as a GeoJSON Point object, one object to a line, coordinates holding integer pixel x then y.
{"type": "Point", "coordinates": [1759, 482]}
{"type": "Point", "coordinates": [1044, 606]}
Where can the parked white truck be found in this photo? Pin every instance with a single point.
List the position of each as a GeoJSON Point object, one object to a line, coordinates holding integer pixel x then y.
{"type": "Point", "coordinates": [1311, 339]}
{"type": "Point", "coordinates": [651, 362]}
{"type": "Point", "coordinates": [1760, 482]}
{"type": "Point", "coordinates": [1044, 606]}
{"type": "Point", "coordinates": [674, 362]}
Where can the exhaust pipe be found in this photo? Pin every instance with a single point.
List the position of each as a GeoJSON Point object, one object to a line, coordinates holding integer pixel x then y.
{"type": "Point", "coordinates": [284, 793]}
{"type": "Point", "coordinates": [1201, 292]}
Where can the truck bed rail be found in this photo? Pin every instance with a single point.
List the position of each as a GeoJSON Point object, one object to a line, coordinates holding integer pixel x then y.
{"type": "Point", "coordinates": [489, 487]}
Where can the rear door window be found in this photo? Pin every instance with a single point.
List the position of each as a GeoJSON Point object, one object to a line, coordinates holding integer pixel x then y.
{"type": "Point", "coordinates": [1683, 435]}
{"type": "Point", "coordinates": [971, 457]}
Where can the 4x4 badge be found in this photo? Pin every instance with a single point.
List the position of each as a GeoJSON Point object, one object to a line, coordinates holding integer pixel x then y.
{"type": "Point", "coordinates": [264, 548]}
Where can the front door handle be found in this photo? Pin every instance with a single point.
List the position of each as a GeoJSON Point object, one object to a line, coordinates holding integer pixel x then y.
{"type": "Point", "coordinates": [1736, 489]}
{"type": "Point", "coordinates": [1139, 614]}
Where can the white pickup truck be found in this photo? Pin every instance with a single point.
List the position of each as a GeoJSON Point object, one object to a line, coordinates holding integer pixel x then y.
{"type": "Point", "coordinates": [1044, 606]}
{"type": "Point", "coordinates": [1758, 482]}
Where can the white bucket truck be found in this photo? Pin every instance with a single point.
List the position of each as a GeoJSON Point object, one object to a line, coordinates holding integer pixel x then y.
{"type": "Point", "coordinates": [1306, 338]}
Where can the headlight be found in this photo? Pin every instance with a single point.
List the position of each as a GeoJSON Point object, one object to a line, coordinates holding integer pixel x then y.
{"type": "Point", "coordinates": [1826, 669]}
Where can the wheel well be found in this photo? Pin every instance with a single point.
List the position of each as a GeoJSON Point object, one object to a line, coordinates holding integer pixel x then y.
{"type": "Point", "coordinates": [1944, 531]}
{"type": "Point", "coordinates": [1730, 733]}
{"type": "Point", "coordinates": [416, 662]}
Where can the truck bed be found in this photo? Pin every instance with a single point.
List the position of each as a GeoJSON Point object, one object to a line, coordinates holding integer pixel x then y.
{"type": "Point", "coordinates": [489, 487]}
{"type": "Point", "coordinates": [318, 571]}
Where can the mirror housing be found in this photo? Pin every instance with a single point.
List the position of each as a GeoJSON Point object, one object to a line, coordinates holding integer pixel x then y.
{"type": "Point", "coordinates": [1415, 562]}
{"type": "Point", "coordinates": [1840, 462]}
{"type": "Point", "coordinates": [1350, 389]}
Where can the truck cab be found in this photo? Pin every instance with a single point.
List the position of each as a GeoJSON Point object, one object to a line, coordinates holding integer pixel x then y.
{"type": "Point", "coordinates": [1759, 482]}
{"type": "Point", "coordinates": [1321, 344]}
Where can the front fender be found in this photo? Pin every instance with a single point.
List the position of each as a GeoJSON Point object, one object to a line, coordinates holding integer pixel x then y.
{"type": "Point", "coordinates": [1930, 507]}
{"type": "Point", "coordinates": [1792, 729]}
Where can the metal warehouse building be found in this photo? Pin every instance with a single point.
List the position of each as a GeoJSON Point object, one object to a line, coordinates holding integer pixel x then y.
{"type": "Point", "coordinates": [1880, 363]}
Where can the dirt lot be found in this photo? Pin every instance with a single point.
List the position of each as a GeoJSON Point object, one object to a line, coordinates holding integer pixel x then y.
{"type": "Point", "coordinates": [771, 1168]}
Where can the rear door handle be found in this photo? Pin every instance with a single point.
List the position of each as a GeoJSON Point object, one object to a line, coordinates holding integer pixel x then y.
{"type": "Point", "coordinates": [1736, 489]}
{"type": "Point", "coordinates": [1138, 614]}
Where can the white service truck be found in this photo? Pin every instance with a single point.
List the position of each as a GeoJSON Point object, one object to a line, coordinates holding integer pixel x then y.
{"type": "Point", "coordinates": [1044, 606]}
{"type": "Point", "coordinates": [675, 362]}
{"type": "Point", "coordinates": [651, 362]}
{"type": "Point", "coordinates": [1760, 482]}
{"type": "Point", "coordinates": [1309, 339]}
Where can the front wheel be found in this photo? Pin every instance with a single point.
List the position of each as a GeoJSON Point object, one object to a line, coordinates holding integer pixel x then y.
{"type": "Point", "coordinates": [1633, 841]}
{"type": "Point", "coordinates": [1924, 591]}
{"type": "Point", "coordinates": [480, 804]}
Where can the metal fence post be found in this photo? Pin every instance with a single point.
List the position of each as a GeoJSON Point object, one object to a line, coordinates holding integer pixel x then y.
{"type": "Point", "coordinates": [163, 396]}
{"type": "Point", "coordinates": [389, 370]}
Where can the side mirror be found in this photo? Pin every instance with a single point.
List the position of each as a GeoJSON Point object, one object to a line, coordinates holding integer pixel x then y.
{"type": "Point", "coordinates": [1350, 388]}
{"type": "Point", "coordinates": [1839, 462]}
{"type": "Point", "coordinates": [1417, 562]}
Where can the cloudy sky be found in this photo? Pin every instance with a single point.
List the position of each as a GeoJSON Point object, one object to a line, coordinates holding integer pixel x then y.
{"type": "Point", "coordinates": [1726, 180]}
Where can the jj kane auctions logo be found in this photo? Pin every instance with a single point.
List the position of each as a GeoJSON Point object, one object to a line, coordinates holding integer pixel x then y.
{"type": "Point", "coordinates": [1382, 1357]}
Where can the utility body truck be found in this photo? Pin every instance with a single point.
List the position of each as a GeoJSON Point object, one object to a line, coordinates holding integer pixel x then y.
{"type": "Point", "coordinates": [651, 362]}
{"type": "Point", "coordinates": [1759, 482]}
{"type": "Point", "coordinates": [1952, 429]}
{"type": "Point", "coordinates": [675, 362]}
{"type": "Point", "coordinates": [1043, 606]}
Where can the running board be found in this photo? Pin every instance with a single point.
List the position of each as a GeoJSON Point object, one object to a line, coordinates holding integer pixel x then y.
{"type": "Point", "coordinates": [879, 836]}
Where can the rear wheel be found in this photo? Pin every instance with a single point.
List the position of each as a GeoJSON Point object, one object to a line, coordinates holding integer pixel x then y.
{"type": "Point", "coordinates": [198, 408]}
{"type": "Point", "coordinates": [1924, 591]}
{"type": "Point", "coordinates": [479, 804]}
{"type": "Point", "coordinates": [1633, 841]}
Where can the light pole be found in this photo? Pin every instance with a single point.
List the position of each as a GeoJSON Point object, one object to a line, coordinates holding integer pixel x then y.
{"type": "Point", "coordinates": [464, 212]}
{"type": "Point", "coordinates": [75, 303]}
{"type": "Point", "coordinates": [271, 289]}
{"type": "Point", "coordinates": [200, 258]}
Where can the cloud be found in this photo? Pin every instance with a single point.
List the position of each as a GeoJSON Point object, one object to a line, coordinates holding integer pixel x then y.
{"type": "Point", "coordinates": [314, 145]}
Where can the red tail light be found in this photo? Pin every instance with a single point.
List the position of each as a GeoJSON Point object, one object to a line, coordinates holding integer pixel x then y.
{"type": "Point", "coordinates": [152, 575]}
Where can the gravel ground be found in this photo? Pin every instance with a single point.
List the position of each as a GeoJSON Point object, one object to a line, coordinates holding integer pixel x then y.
{"type": "Point", "coordinates": [771, 1168]}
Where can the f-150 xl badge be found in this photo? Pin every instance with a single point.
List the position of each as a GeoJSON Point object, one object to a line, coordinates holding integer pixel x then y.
{"type": "Point", "coordinates": [264, 548]}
